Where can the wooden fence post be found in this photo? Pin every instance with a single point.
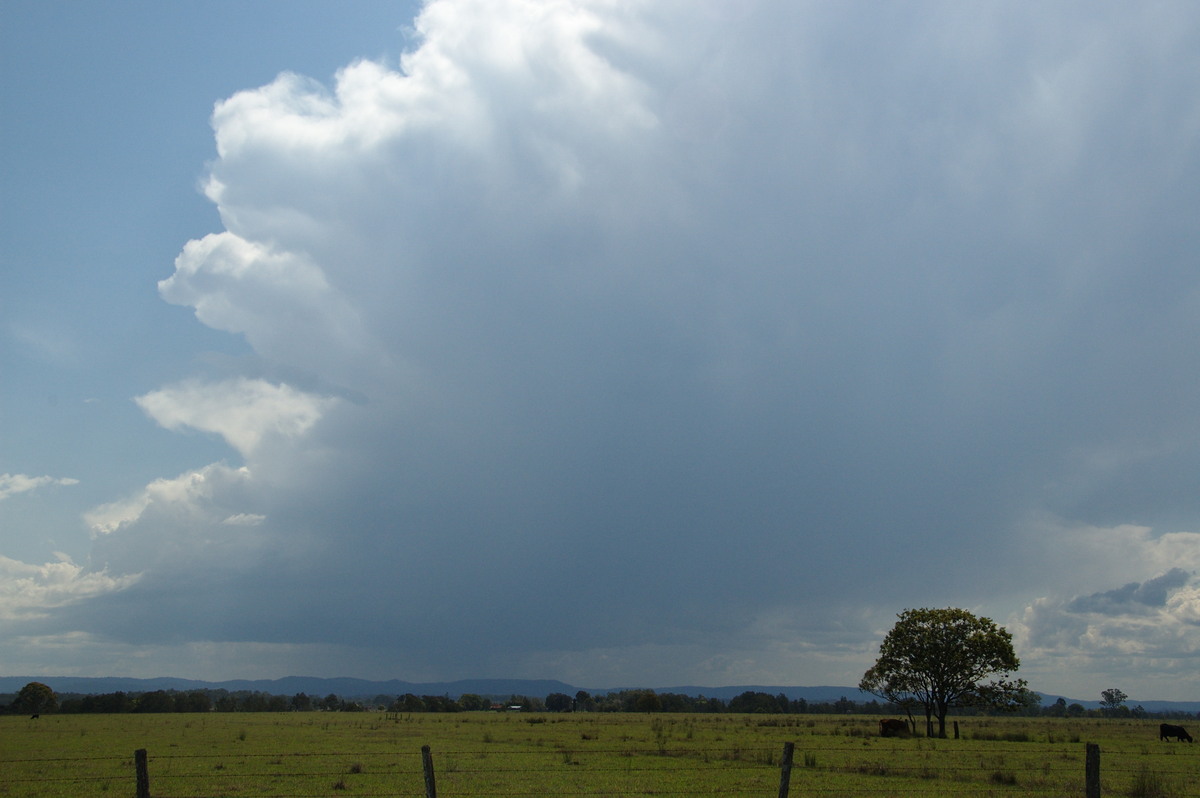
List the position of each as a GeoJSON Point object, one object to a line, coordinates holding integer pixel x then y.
{"type": "Point", "coordinates": [785, 769]}
{"type": "Point", "coordinates": [143, 773]}
{"type": "Point", "coordinates": [427, 764]}
{"type": "Point", "coordinates": [1092, 772]}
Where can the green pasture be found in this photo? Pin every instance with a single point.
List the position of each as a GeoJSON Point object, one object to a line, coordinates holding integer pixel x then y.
{"type": "Point", "coordinates": [265, 755]}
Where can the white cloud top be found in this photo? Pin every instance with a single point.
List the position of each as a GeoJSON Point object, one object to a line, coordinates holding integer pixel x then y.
{"type": "Point", "coordinates": [184, 498]}
{"type": "Point", "coordinates": [280, 300]}
{"type": "Point", "coordinates": [32, 591]}
{"type": "Point", "coordinates": [12, 484]}
{"type": "Point", "coordinates": [244, 411]}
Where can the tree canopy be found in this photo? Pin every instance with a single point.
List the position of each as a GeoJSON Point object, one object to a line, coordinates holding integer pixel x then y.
{"type": "Point", "coordinates": [1112, 700]}
{"type": "Point", "coordinates": [35, 698]}
{"type": "Point", "coordinates": [940, 659]}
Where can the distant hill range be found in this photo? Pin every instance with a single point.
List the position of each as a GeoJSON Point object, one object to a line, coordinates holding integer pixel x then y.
{"type": "Point", "coordinates": [348, 688]}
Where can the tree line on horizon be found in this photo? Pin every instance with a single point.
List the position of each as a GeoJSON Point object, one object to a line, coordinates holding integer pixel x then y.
{"type": "Point", "coordinates": [934, 661]}
{"type": "Point", "coordinates": [36, 699]}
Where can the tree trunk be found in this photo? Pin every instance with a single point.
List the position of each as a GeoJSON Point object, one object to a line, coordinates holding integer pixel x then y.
{"type": "Point", "coordinates": [942, 710]}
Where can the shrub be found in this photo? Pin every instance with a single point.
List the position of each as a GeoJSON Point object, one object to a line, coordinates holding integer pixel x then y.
{"type": "Point", "coordinates": [1147, 784]}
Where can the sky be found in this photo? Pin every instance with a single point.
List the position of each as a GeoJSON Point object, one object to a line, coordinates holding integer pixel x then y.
{"type": "Point", "coordinates": [622, 342]}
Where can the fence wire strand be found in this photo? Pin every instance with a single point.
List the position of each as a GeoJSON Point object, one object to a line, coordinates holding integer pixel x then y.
{"type": "Point", "coordinates": [491, 773]}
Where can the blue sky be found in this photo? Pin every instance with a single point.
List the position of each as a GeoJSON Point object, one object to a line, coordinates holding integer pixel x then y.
{"type": "Point", "coordinates": [646, 343]}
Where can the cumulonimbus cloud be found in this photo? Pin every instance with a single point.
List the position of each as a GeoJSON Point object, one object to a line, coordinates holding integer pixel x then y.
{"type": "Point", "coordinates": [699, 312]}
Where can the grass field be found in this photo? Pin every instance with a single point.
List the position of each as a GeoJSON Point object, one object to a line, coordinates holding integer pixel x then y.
{"type": "Point", "coordinates": [491, 754]}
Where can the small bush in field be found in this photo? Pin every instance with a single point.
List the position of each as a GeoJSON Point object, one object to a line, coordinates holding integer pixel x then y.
{"type": "Point", "coordinates": [1147, 784]}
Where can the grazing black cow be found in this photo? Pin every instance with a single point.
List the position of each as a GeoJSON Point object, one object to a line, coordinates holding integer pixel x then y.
{"type": "Point", "coordinates": [890, 727]}
{"type": "Point", "coordinates": [34, 716]}
{"type": "Point", "coordinates": [1166, 731]}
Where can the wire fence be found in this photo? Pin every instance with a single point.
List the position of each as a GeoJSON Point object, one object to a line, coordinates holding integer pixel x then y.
{"type": "Point", "coordinates": [828, 771]}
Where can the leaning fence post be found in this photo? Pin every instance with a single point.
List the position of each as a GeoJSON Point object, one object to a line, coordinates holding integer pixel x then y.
{"type": "Point", "coordinates": [427, 764]}
{"type": "Point", "coordinates": [785, 769]}
{"type": "Point", "coordinates": [1092, 771]}
{"type": "Point", "coordinates": [143, 773]}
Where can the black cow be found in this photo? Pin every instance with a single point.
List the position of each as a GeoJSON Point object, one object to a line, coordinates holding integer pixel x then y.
{"type": "Point", "coordinates": [890, 727]}
{"type": "Point", "coordinates": [34, 716]}
{"type": "Point", "coordinates": [1166, 731]}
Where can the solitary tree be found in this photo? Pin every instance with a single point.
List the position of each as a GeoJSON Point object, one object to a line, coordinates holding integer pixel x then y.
{"type": "Point", "coordinates": [1111, 700]}
{"type": "Point", "coordinates": [35, 698]}
{"type": "Point", "coordinates": [939, 659]}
